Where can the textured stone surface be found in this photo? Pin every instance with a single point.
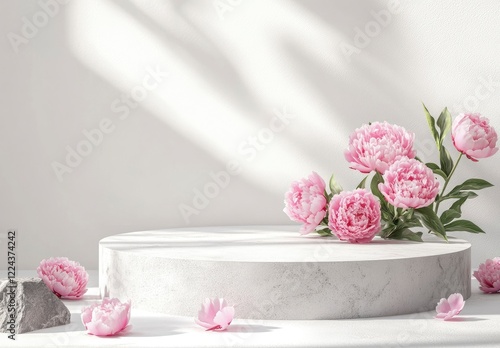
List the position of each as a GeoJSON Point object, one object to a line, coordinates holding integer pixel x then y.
{"type": "Point", "coordinates": [270, 272]}
{"type": "Point", "coordinates": [36, 306]}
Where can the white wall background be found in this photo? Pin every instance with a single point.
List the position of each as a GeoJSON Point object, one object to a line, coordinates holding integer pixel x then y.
{"type": "Point", "coordinates": [229, 71]}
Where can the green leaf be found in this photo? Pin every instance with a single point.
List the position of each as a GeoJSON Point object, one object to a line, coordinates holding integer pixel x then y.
{"type": "Point", "coordinates": [457, 206]}
{"type": "Point", "coordinates": [463, 225]}
{"type": "Point", "coordinates": [386, 216]}
{"type": "Point", "coordinates": [406, 233]}
{"type": "Point", "coordinates": [436, 170]}
{"type": "Point", "coordinates": [408, 220]}
{"type": "Point", "coordinates": [377, 179]}
{"type": "Point", "coordinates": [386, 209]}
{"type": "Point", "coordinates": [440, 173]}
{"type": "Point", "coordinates": [461, 194]}
{"type": "Point", "coordinates": [430, 220]}
{"type": "Point", "coordinates": [446, 161]}
{"type": "Point", "coordinates": [444, 124]}
{"type": "Point", "coordinates": [409, 214]}
{"type": "Point", "coordinates": [325, 193]}
{"type": "Point", "coordinates": [432, 165]}
{"type": "Point", "coordinates": [412, 223]}
{"type": "Point", "coordinates": [410, 235]}
{"type": "Point", "coordinates": [449, 215]}
{"type": "Point", "coordinates": [335, 188]}
{"type": "Point", "coordinates": [432, 126]}
{"type": "Point", "coordinates": [325, 232]}
{"type": "Point", "coordinates": [388, 230]}
{"type": "Point", "coordinates": [362, 183]}
{"type": "Point", "coordinates": [454, 212]}
{"type": "Point", "coordinates": [471, 184]}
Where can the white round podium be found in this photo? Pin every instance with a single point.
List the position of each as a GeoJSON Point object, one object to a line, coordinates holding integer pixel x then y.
{"type": "Point", "coordinates": [271, 272]}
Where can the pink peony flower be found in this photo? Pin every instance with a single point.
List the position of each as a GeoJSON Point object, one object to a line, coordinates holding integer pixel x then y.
{"type": "Point", "coordinates": [473, 136]}
{"type": "Point", "coordinates": [354, 216]}
{"type": "Point", "coordinates": [409, 183]}
{"type": "Point", "coordinates": [106, 318]}
{"type": "Point", "coordinates": [65, 278]}
{"type": "Point", "coordinates": [377, 146]}
{"type": "Point", "coordinates": [305, 202]}
{"type": "Point", "coordinates": [215, 314]}
{"type": "Point", "coordinates": [488, 275]}
{"type": "Point", "coordinates": [448, 308]}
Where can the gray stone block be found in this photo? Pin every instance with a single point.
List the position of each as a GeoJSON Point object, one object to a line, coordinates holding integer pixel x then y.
{"type": "Point", "coordinates": [36, 306]}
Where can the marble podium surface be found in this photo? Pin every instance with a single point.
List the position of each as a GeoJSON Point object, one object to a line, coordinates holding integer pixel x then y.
{"type": "Point", "coordinates": [477, 326]}
{"type": "Point", "coordinates": [271, 272]}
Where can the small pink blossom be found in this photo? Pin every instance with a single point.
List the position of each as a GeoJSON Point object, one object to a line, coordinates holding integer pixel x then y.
{"type": "Point", "coordinates": [305, 202]}
{"type": "Point", "coordinates": [65, 278]}
{"type": "Point", "coordinates": [354, 216]}
{"type": "Point", "coordinates": [473, 136]}
{"type": "Point", "coordinates": [488, 275]}
{"type": "Point", "coordinates": [106, 318]}
{"type": "Point", "coordinates": [409, 183]}
{"type": "Point", "coordinates": [215, 314]}
{"type": "Point", "coordinates": [448, 308]}
{"type": "Point", "coordinates": [377, 146]}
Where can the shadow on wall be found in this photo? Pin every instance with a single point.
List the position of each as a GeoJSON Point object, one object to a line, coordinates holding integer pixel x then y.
{"type": "Point", "coordinates": [133, 179]}
{"type": "Point", "coordinates": [366, 51]}
{"type": "Point", "coordinates": [203, 55]}
{"type": "Point", "coordinates": [133, 186]}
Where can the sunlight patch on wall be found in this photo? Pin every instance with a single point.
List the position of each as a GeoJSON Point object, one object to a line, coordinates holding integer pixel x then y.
{"type": "Point", "coordinates": [226, 79]}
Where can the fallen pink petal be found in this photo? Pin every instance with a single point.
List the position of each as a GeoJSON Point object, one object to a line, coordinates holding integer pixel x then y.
{"type": "Point", "coordinates": [215, 314]}
{"type": "Point", "coordinates": [449, 307]}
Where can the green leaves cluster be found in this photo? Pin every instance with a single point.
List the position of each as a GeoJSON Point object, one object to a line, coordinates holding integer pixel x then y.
{"type": "Point", "coordinates": [460, 194]}
{"type": "Point", "coordinates": [450, 218]}
{"type": "Point", "coordinates": [439, 134]}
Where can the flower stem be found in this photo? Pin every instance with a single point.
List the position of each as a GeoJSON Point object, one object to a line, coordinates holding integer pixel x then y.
{"type": "Point", "coordinates": [447, 181]}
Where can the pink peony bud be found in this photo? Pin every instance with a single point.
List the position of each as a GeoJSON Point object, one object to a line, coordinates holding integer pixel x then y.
{"type": "Point", "coordinates": [473, 136]}
{"type": "Point", "coordinates": [377, 146]}
{"type": "Point", "coordinates": [65, 278]}
{"type": "Point", "coordinates": [488, 275]}
{"type": "Point", "coordinates": [409, 183]}
{"type": "Point", "coordinates": [448, 308]}
{"type": "Point", "coordinates": [215, 314]}
{"type": "Point", "coordinates": [305, 202]}
{"type": "Point", "coordinates": [106, 318]}
{"type": "Point", "coordinates": [354, 216]}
